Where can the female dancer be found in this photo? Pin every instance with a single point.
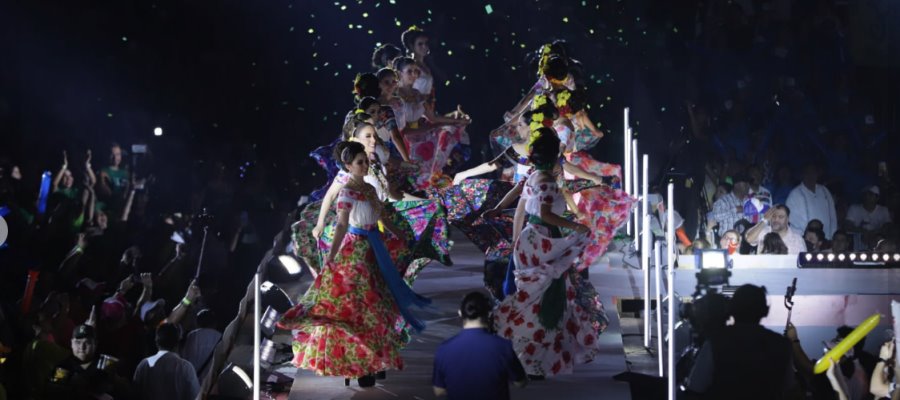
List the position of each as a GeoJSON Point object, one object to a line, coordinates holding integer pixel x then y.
{"type": "Point", "coordinates": [555, 316]}
{"type": "Point", "coordinates": [429, 145]}
{"type": "Point", "coordinates": [346, 321]}
{"type": "Point", "coordinates": [415, 41]}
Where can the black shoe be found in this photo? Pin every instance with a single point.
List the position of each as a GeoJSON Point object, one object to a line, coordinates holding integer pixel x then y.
{"type": "Point", "coordinates": [366, 381]}
{"type": "Point", "coordinates": [381, 375]}
{"type": "Point", "coordinates": [535, 377]}
{"type": "Point", "coordinates": [346, 381]}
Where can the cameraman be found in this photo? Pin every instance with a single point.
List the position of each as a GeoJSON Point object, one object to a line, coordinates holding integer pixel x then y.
{"type": "Point", "coordinates": [745, 360]}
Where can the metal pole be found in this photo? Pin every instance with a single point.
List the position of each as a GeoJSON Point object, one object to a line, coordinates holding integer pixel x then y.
{"type": "Point", "coordinates": [645, 266]}
{"type": "Point", "coordinates": [671, 255]}
{"type": "Point", "coordinates": [634, 183]}
{"type": "Point", "coordinates": [256, 337]}
{"type": "Point", "coordinates": [657, 253]}
{"type": "Point", "coordinates": [627, 172]}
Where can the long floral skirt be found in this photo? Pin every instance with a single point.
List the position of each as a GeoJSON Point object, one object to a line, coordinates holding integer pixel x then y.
{"type": "Point", "coordinates": [433, 150]}
{"type": "Point", "coordinates": [347, 322]}
{"type": "Point", "coordinates": [550, 341]}
{"type": "Point", "coordinates": [606, 210]}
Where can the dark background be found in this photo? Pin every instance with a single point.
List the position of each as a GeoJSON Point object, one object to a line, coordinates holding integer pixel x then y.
{"type": "Point", "coordinates": [236, 81]}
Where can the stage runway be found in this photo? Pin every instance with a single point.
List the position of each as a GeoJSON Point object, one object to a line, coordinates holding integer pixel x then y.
{"type": "Point", "coordinates": [446, 286]}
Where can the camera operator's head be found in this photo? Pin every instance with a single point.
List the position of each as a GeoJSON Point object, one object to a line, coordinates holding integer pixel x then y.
{"type": "Point", "coordinates": [475, 309]}
{"type": "Point", "coordinates": [748, 305]}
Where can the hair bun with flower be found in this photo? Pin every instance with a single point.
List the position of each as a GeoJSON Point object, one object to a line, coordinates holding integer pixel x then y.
{"type": "Point", "coordinates": [537, 120]}
{"type": "Point", "coordinates": [544, 57]}
{"type": "Point", "coordinates": [562, 103]}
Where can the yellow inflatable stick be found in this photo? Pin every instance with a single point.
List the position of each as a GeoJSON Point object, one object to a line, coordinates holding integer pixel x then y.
{"type": "Point", "coordinates": [851, 340]}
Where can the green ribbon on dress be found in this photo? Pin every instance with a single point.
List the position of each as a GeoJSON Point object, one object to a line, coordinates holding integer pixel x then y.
{"type": "Point", "coordinates": [553, 301]}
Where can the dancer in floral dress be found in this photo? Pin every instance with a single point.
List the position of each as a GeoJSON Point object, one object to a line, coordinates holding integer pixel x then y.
{"type": "Point", "coordinates": [555, 316]}
{"type": "Point", "coordinates": [346, 323]}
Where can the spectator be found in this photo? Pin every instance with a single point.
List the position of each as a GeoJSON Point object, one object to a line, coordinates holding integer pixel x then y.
{"type": "Point", "coordinates": [728, 210]}
{"type": "Point", "coordinates": [731, 241]}
{"type": "Point", "coordinates": [476, 364]}
{"type": "Point", "coordinates": [776, 220]}
{"type": "Point", "coordinates": [841, 242]}
{"type": "Point", "coordinates": [880, 385]}
{"type": "Point", "coordinates": [783, 186]}
{"type": "Point", "coordinates": [745, 360]}
{"type": "Point", "coordinates": [757, 190]}
{"type": "Point", "coordinates": [868, 218]}
{"type": "Point", "coordinates": [809, 200]}
{"type": "Point", "coordinates": [200, 343]}
{"type": "Point", "coordinates": [83, 375]}
{"type": "Point", "coordinates": [165, 375]}
{"type": "Point", "coordinates": [115, 177]}
{"type": "Point", "coordinates": [772, 244]}
{"type": "Point", "coordinates": [850, 377]}
{"type": "Point", "coordinates": [815, 240]}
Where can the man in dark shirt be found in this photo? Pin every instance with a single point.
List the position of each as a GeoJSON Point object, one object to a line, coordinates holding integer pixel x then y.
{"type": "Point", "coordinates": [81, 376]}
{"type": "Point", "coordinates": [745, 360]}
{"type": "Point", "coordinates": [476, 364]}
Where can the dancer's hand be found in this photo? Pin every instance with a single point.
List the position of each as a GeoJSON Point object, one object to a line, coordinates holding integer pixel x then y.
{"type": "Point", "coordinates": [887, 350]}
{"type": "Point", "coordinates": [317, 231]}
{"type": "Point", "coordinates": [492, 213]}
{"type": "Point", "coordinates": [582, 228]}
{"type": "Point", "coordinates": [458, 178]}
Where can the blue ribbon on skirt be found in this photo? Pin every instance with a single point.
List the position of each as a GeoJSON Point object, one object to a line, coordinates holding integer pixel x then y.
{"type": "Point", "coordinates": [402, 293]}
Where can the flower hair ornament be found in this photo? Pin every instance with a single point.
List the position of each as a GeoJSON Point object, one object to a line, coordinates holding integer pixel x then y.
{"type": "Point", "coordinates": [538, 101]}
{"type": "Point", "coordinates": [545, 56]}
{"type": "Point", "coordinates": [537, 120]}
{"type": "Point", "coordinates": [359, 111]}
{"type": "Point", "coordinates": [562, 102]}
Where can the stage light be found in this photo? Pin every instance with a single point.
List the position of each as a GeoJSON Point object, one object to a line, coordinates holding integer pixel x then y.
{"type": "Point", "coordinates": [267, 353]}
{"type": "Point", "coordinates": [852, 257]}
{"type": "Point", "coordinates": [841, 257]}
{"type": "Point", "coordinates": [830, 257]}
{"type": "Point", "coordinates": [809, 256]}
{"type": "Point", "coordinates": [863, 257]}
{"type": "Point", "coordinates": [897, 257]}
{"type": "Point", "coordinates": [820, 257]}
{"type": "Point", "coordinates": [269, 318]}
{"type": "Point", "coordinates": [235, 382]}
{"type": "Point", "coordinates": [157, 131]}
{"type": "Point", "coordinates": [272, 296]}
{"type": "Point", "coordinates": [284, 268]}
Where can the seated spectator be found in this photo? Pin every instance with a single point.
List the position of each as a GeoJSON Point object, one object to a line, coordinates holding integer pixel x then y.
{"type": "Point", "coordinates": [745, 360]}
{"type": "Point", "coordinates": [815, 240]}
{"type": "Point", "coordinates": [776, 220]}
{"type": "Point", "coordinates": [476, 364]}
{"type": "Point", "coordinates": [200, 343]}
{"type": "Point", "coordinates": [810, 200]}
{"type": "Point", "coordinates": [165, 375]}
{"type": "Point", "coordinates": [841, 242]}
{"type": "Point", "coordinates": [731, 241]}
{"type": "Point", "coordinates": [772, 244]}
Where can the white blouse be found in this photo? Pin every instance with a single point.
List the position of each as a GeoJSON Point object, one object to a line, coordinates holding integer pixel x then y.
{"type": "Point", "coordinates": [362, 214]}
{"type": "Point", "coordinates": [537, 194]}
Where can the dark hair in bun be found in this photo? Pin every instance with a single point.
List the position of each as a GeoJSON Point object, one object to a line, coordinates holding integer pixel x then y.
{"type": "Point", "coordinates": [409, 36]}
{"type": "Point", "coordinates": [366, 85]}
{"type": "Point", "coordinates": [475, 305]}
{"type": "Point", "coordinates": [543, 148]}
{"type": "Point", "coordinates": [403, 62]}
{"type": "Point", "coordinates": [366, 102]}
{"type": "Point", "coordinates": [556, 68]}
{"type": "Point", "coordinates": [384, 54]}
{"type": "Point", "coordinates": [345, 152]}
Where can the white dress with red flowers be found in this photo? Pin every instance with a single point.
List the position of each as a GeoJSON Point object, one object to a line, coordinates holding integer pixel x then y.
{"type": "Point", "coordinates": [540, 259]}
{"type": "Point", "coordinates": [347, 322]}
